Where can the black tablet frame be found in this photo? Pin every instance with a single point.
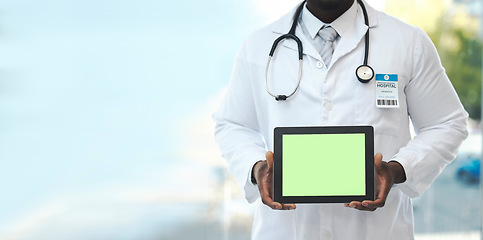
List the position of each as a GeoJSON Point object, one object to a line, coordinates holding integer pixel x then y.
{"type": "Point", "coordinates": [368, 132]}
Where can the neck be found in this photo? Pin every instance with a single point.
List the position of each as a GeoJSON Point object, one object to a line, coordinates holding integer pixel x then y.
{"type": "Point", "coordinates": [328, 12]}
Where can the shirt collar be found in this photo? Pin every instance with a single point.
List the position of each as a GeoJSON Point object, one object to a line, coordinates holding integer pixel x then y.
{"type": "Point", "coordinates": [340, 24]}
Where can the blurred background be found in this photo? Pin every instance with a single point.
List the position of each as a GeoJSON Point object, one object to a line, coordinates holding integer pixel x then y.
{"type": "Point", "coordinates": [105, 117]}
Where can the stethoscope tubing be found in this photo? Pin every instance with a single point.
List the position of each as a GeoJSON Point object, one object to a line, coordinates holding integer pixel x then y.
{"type": "Point", "coordinates": [283, 97]}
{"type": "Point", "coordinates": [290, 34]}
{"type": "Point", "coordinates": [364, 72]}
{"type": "Point", "coordinates": [366, 21]}
{"type": "Point", "coordinates": [270, 55]}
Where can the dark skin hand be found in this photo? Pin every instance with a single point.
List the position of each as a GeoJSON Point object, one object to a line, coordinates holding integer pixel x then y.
{"type": "Point", "coordinates": [263, 172]}
{"type": "Point", "coordinates": [328, 10]}
{"type": "Point", "coordinates": [387, 174]}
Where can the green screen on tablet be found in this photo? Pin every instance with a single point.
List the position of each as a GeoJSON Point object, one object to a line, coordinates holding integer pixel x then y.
{"type": "Point", "coordinates": [323, 159]}
{"type": "Point", "coordinates": [323, 164]}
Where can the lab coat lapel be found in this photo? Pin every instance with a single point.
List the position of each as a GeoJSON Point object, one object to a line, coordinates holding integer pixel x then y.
{"type": "Point", "coordinates": [283, 26]}
{"type": "Point", "coordinates": [355, 34]}
{"type": "Point", "coordinates": [308, 48]}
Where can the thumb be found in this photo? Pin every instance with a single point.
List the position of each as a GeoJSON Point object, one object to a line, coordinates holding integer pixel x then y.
{"type": "Point", "coordinates": [378, 160]}
{"type": "Point", "coordinates": [269, 156]}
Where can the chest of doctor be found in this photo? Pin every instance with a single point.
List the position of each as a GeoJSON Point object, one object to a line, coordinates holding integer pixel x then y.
{"type": "Point", "coordinates": [332, 95]}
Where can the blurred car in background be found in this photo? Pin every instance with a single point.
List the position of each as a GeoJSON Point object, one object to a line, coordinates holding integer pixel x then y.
{"type": "Point", "coordinates": [468, 170]}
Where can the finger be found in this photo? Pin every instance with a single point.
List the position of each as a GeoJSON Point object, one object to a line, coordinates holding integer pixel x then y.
{"type": "Point", "coordinates": [288, 207]}
{"type": "Point", "coordinates": [379, 202]}
{"type": "Point", "coordinates": [382, 189]}
{"type": "Point", "coordinates": [359, 206]}
{"type": "Point", "coordinates": [378, 160]}
{"type": "Point", "coordinates": [374, 204]}
{"type": "Point", "coordinates": [355, 204]}
{"type": "Point", "coordinates": [276, 205]}
{"type": "Point", "coordinates": [269, 156]}
{"type": "Point", "coordinates": [267, 200]}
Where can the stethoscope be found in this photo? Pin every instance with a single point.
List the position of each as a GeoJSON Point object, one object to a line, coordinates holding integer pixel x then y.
{"type": "Point", "coordinates": [364, 72]}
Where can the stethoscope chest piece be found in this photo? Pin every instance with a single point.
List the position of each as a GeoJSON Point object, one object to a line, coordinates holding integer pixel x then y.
{"type": "Point", "coordinates": [364, 73]}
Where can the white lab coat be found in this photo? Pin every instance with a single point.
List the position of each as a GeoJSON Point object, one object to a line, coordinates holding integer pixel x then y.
{"type": "Point", "coordinates": [333, 96]}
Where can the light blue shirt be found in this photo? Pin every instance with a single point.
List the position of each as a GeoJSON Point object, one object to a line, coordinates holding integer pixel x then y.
{"type": "Point", "coordinates": [311, 24]}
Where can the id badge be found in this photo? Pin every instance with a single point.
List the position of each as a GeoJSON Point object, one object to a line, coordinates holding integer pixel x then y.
{"type": "Point", "coordinates": [387, 91]}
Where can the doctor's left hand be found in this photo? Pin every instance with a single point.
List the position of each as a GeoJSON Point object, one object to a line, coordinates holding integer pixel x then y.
{"type": "Point", "coordinates": [387, 174]}
{"type": "Point", "coordinates": [263, 173]}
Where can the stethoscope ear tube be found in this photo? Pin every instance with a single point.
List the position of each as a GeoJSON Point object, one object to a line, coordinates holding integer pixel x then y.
{"type": "Point", "coordinates": [285, 36]}
{"type": "Point", "coordinates": [270, 55]}
{"type": "Point", "coordinates": [291, 35]}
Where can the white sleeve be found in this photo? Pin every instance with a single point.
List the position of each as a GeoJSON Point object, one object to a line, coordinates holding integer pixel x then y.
{"type": "Point", "coordinates": [438, 117]}
{"type": "Point", "coordinates": [237, 129]}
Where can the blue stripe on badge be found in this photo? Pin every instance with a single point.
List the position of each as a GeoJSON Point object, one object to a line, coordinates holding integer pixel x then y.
{"type": "Point", "coordinates": [386, 77]}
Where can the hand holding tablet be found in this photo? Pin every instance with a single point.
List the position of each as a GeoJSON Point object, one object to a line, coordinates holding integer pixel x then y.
{"type": "Point", "coordinates": [263, 173]}
{"type": "Point", "coordinates": [325, 165]}
{"type": "Point", "coordinates": [387, 174]}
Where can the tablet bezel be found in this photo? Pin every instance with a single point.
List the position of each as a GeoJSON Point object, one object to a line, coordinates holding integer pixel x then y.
{"type": "Point", "coordinates": [368, 132]}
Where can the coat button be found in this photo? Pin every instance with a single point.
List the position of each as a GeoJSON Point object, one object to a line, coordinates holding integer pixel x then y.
{"type": "Point", "coordinates": [320, 64]}
{"type": "Point", "coordinates": [328, 105]}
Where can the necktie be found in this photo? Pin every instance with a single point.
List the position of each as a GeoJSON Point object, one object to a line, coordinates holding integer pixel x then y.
{"type": "Point", "coordinates": [328, 35]}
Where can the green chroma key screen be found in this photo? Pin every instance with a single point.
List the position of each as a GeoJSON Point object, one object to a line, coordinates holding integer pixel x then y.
{"type": "Point", "coordinates": [323, 164]}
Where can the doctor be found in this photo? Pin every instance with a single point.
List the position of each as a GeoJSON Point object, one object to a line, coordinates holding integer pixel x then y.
{"type": "Point", "coordinates": [324, 89]}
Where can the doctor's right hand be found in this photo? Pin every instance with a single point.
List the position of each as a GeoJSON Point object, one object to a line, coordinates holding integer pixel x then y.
{"type": "Point", "coordinates": [263, 174]}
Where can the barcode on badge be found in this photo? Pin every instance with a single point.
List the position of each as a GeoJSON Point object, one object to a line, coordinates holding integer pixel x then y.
{"type": "Point", "coordinates": [386, 102]}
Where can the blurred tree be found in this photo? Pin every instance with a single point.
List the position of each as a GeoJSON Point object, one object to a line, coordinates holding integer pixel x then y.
{"type": "Point", "coordinates": [454, 31]}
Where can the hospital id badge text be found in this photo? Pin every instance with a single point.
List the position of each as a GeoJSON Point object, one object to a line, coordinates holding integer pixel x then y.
{"type": "Point", "coordinates": [387, 91]}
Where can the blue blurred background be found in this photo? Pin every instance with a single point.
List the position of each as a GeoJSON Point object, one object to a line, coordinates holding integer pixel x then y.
{"type": "Point", "coordinates": [104, 107]}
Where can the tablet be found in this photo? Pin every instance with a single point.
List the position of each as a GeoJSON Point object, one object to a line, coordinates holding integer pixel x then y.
{"type": "Point", "coordinates": [323, 164]}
